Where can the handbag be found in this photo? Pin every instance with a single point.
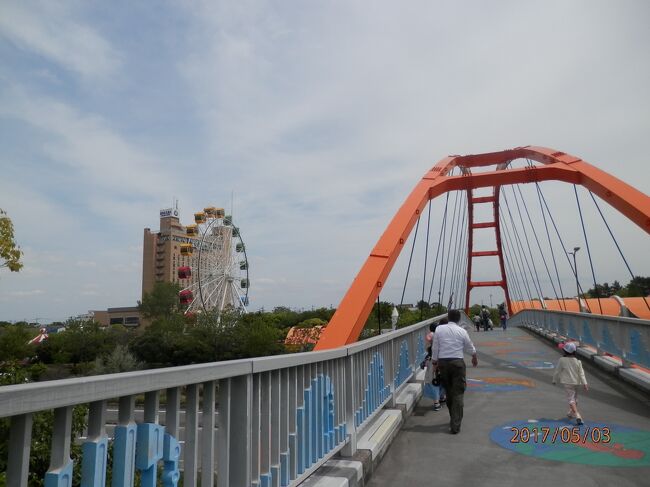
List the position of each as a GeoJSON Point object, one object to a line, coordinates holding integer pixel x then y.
{"type": "Point", "coordinates": [436, 377]}
{"type": "Point", "coordinates": [429, 372]}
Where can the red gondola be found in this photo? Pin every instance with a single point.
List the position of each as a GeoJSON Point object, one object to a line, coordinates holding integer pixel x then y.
{"type": "Point", "coordinates": [184, 272]}
{"type": "Point", "coordinates": [186, 296]}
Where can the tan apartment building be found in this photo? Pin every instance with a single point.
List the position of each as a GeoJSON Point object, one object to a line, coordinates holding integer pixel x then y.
{"type": "Point", "coordinates": [161, 254]}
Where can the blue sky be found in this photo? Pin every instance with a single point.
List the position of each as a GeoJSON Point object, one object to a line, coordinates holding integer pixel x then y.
{"type": "Point", "coordinates": [319, 116]}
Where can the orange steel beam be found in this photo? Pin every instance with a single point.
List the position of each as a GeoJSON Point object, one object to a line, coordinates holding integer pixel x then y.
{"type": "Point", "coordinates": [352, 313]}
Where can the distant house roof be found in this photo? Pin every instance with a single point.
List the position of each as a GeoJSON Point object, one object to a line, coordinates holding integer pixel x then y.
{"type": "Point", "coordinates": [303, 336]}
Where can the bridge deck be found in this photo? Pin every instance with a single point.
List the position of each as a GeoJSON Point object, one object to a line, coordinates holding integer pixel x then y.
{"type": "Point", "coordinates": [425, 453]}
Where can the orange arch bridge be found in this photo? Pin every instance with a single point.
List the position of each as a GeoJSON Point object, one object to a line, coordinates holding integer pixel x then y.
{"type": "Point", "coordinates": [352, 313]}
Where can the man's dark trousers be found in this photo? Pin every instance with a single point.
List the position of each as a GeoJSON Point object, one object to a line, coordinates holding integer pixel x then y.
{"type": "Point", "coordinates": [452, 377]}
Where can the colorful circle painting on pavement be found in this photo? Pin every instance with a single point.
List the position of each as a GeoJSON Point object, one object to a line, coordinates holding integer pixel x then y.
{"type": "Point", "coordinates": [593, 443]}
{"type": "Point", "coordinates": [528, 364]}
{"type": "Point", "coordinates": [498, 384]}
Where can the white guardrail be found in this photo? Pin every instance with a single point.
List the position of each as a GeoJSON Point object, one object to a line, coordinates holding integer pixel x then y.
{"type": "Point", "coordinates": [626, 338]}
{"type": "Point", "coordinates": [274, 419]}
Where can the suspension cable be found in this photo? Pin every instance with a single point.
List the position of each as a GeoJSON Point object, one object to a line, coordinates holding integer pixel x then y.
{"type": "Point", "coordinates": [453, 219]}
{"type": "Point", "coordinates": [559, 236]}
{"type": "Point", "coordinates": [426, 257]}
{"type": "Point", "coordinates": [548, 236]}
{"type": "Point", "coordinates": [530, 251]}
{"type": "Point", "coordinates": [530, 221]}
{"type": "Point", "coordinates": [457, 253]}
{"type": "Point", "coordinates": [591, 264]}
{"type": "Point", "coordinates": [408, 269]}
{"type": "Point", "coordinates": [645, 300]}
{"type": "Point", "coordinates": [462, 271]}
{"type": "Point", "coordinates": [514, 250]}
{"type": "Point", "coordinates": [520, 248]}
{"type": "Point", "coordinates": [443, 255]}
{"type": "Point", "coordinates": [440, 233]}
{"type": "Point", "coordinates": [508, 261]}
{"type": "Point", "coordinates": [454, 240]}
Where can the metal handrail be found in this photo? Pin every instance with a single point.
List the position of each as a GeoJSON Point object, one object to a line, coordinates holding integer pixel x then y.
{"type": "Point", "coordinates": [276, 418]}
{"type": "Point", "coordinates": [626, 338]}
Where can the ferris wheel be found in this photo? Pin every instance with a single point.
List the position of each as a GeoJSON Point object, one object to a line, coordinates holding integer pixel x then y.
{"type": "Point", "coordinates": [217, 277]}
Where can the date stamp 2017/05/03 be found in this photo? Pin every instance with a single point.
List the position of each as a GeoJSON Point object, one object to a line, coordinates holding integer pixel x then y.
{"type": "Point", "coordinates": [561, 434]}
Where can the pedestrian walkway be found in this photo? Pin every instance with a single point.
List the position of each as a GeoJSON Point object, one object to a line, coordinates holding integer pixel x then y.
{"type": "Point", "coordinates": [515, 431]}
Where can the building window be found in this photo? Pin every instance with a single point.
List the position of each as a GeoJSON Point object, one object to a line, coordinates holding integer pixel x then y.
{"type": "Point", "coordinates": [132, 321]}
{"type": "Point", "coordinates": [117, 321]}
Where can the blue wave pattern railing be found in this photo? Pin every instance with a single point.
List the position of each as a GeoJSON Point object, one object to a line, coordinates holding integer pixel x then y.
{"type": "Point", "coordinates": [274, 420]}
{"type": "Point", "coordinates": [376, 391]}
{"type": "Point", "coordinates": [404, 369]}
{"type": "Point", "coordinates": [627, 338]}
{"type": "Point", "coordinates": [316, 432]}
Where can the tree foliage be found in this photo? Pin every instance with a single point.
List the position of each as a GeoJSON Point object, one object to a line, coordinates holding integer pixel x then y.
{"type": "Point", "coordinates": [10, 252]}
{"type": "Point", "coordinates": [161, 302]}
{"type": "Point", "coordinates": [637, 287]}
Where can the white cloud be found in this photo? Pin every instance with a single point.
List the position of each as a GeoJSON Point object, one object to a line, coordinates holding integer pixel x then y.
{"type": "Point", "coordinates": [26, 294]}
{"type": "Point", "coordinates": [51, 30]}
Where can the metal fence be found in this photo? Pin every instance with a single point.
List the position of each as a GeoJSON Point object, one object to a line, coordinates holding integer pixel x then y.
{"type": "Point", "coordinates": [272, 420]}
{"type": "Point", "coordinates": [626, 338]}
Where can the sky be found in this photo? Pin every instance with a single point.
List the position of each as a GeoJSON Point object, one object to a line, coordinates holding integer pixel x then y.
{"type": "Point", "coordinates": [315, 119]}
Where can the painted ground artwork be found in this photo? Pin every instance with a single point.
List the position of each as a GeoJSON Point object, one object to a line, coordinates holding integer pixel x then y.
{"type": "Point", "coordinates": [593, 443]}
{"type": "Point", "coordinates": [498, 384]}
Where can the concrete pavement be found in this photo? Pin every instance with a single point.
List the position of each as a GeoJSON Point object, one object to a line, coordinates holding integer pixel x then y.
{"type": "Point", "coordinates": [508, 393]}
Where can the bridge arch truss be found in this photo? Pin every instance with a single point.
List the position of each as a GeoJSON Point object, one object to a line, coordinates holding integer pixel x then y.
{"type": "Point", "coordinates": [350, 317]}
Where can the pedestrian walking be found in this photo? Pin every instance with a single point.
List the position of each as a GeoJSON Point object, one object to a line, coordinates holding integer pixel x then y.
{"type": "Point", "coordinates": [503, 316]}
{"type": "Point", "coordinates": [449, 342]}
{"type": "Point", "coordinates": [485, 318]}
{"type": "Point", "coordinates": [432, 386]}
{"type": "Point", "coordinates": [570, 374]}
{"type": "Point", "coordinates": [477, 322]}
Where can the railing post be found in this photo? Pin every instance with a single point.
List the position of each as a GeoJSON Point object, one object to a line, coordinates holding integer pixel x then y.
{"type": "Point", "coordinates": [349, 378]}
{"type": "Point", "coordinates": [20, 438]}
{"type": "Point", "coordinates": [60, 472]}
{"type": "Point", "coordinates": [234, 432]}
{"type": "Point", "coordinates": [207, 447]}
{"type": "Point", "coordinates": [124, 444]}
{"type": "Point", "coordinates": [150, 444]}
{"type": "Point", "coordinates": [95, 448]}
{"type": "Point", "coordinates": [391, 372]}
{"type": "Point", "coordinates": [172, 449]}
{"type": "Point", "coordinates": [190, 457]}
{"type": "Point", "coordinates": [275, 427]}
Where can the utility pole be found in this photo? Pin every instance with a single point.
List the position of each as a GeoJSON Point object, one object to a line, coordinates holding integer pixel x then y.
{"type": "Point", "coordinates": [575, 271]}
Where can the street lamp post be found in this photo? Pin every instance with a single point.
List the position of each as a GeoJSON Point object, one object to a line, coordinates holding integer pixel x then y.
{"type": "Point", "coordinates": [575, 271]}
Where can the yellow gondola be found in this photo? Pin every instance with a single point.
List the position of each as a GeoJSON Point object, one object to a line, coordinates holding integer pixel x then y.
{"type": "Point", "coordinates": [187, 249]}
{"type": "Point", "coordinates": [199, 217]}
{"type": "Point", "coordinates": [221, 213]}
{"type": "Point", "coordinates": [210, 212]}
{"type": "Point", "coordinates": [192, 230]}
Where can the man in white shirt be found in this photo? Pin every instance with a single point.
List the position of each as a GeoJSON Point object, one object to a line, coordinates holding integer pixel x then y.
{"type": "Point", "coordinates": [449, 342]}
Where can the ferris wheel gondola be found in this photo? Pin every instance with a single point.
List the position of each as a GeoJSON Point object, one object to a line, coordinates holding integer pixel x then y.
{"type": "Point", "coordinates": [217, 279]}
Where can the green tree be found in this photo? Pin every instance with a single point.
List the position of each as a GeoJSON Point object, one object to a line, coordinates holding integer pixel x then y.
{"type": "Point", "coordinates": [311, 322]}
{"type": "Point", "coordinates": [638, 287]}
{"type": "Point", "coordinates": [14, 342]}
{"type": "Point", "coordinates": [10, 252]}
{"type": "Point", "coordinates": [119, 360]}
{"type": "Point", "coordinates": [82, 342]}
{"type": "Point", "coordinates": [160, 341]}
{"type": "Point", "coordinates": [161, 302]}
